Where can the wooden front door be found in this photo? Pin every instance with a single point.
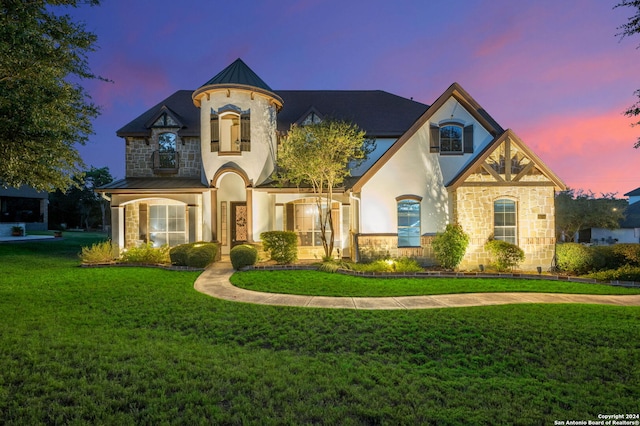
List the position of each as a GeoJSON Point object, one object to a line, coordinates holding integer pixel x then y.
{"type": "Point", "coordinates": [239, 231]}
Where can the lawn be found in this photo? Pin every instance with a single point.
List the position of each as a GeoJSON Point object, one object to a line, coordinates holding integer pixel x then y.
{"type": "Point", "coordinates": [315, 283]}
{"type": "Point", "coordinates": [141, 346]}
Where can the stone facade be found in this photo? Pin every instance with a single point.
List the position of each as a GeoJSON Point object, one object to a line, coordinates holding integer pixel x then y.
{"type": "Point", "coordinates": [140, 151]}
{"type": "Point", "coordinates": [473, 210]}
{"type": "Point", "coordinates": [132, 225]}
{"type": "Point", "coordinates": [375, 246]}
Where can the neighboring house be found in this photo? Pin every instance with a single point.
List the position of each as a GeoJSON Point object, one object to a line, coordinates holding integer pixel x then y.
{"type": "Point", "coordinates": [629, 231]}
{"type": "Point", "coordinates": [23, 205]}
{"type": "Point", "coordinates": [199, 166]}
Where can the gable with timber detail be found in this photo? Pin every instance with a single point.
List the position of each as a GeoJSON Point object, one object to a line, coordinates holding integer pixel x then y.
{"type": "Point", "coordinates": [507, 161]}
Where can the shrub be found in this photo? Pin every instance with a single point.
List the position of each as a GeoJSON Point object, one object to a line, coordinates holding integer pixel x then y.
{"type": "Point", "coordinates": [98, 253]}
{"type": "Point", "coordinates": [201, 254]}
{"type": "Point", "coordinates": [450, 246]}
{"type": "Point", "coordinates": [605, 257]}
{"type": "Point", "coordinates": [281, 245]}
{"type": "Point", "coordinates": [371, 254]}
{"type": "Point", "coordinates": [624, 273]}
{"type": "Point", "coordinates": [179, 254]}
{"type": "Point", "coordinates": [244, 255]}
{"type": "Point", "coordinates": [578, 259]}
{"type": "Point", "coordinates": [505, 255]}
{"type": "Point", "coordinates": [403, 264]}
{"type": "Point", "coordinates": [628, 253]}
{"type": "Point", "coordinates": [146, 254]}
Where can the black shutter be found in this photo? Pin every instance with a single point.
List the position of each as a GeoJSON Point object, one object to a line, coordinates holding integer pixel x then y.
{"type": "Point", "coordinates": [215, 128]}
{"type": "Point", "coordinates": [468, 139]}
{"type": "Point", "coordinates": [434, 135]}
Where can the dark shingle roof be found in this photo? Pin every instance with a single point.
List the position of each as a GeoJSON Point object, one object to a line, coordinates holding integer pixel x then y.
{"type": "Point", "coordinates": [238, 73]}
{"type": "Point", "coordinates": [377, 112]}
{"type": "Point", "coordinates": [181, 106]}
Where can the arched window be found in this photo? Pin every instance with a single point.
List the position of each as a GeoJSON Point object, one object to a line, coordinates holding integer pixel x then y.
{"type": "Point", "coordinates": [230, 130]}
{"type": "Point", "coordinates": [451, 139]}
{"type": "Point", "coordinates": [504, 220]}
{"type": "Point", "coordinates": [408, 223]}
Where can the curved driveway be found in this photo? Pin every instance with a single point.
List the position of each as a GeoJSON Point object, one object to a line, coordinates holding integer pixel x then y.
{"type": "Point", "coordinates": [214, 282]}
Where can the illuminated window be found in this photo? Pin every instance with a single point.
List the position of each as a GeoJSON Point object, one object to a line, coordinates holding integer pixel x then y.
{"type": "Point", "coordinates": [504, 221]}
{"type": "Point", "coordinates": [451, 138]}
{"type": "Point", "coordinates": [231, 131]}
{"type": "Point", "coordinates": [408, 223]}
{"type": "Point", "coordinates": [167, 225]}
{"type": "Point", "coordinates": [302, 218]}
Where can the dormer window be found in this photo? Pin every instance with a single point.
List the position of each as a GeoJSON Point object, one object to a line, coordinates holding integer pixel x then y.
{"type": "Point", "coordinates": [165, 159]}
{"type": "Point", "coordinates": [451, 138]}
{"type": "Point", "coordinates": [230, 131]}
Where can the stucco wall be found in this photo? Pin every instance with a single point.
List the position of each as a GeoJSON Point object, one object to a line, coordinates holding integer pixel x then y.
{"type": "Point", "coordinates": [258, 163]}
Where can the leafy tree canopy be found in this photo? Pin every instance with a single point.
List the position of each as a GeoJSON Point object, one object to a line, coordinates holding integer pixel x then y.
{"type": "Point", "coordinates": [626, 30]}
{"type": "Point", "coordinates": [320, 155]}
{"type": "Point", "coordinates": [44, 112]}
{"type": "Point", "coordinates": [578, 210]}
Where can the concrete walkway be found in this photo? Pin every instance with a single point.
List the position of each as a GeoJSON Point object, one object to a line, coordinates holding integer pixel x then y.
{"type": "Point", "coordinates": [214, 282]}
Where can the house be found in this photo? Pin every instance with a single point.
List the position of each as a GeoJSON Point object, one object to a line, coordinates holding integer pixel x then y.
{"type": "Point", "coordinates": [629, 231]}
{"type": "Point", "coordinates": [199, 166]}
{"type": "Point", "coordinates": [23, 207]}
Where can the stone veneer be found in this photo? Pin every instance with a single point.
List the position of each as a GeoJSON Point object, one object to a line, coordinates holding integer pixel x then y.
{"type": "Point", "coordinates": [473, 210]}
{"type": "Point", "coordinates": [132, 225]}
{"type": "Point", "coordinates": [139, 156]}
{"type": "Point", "coordinates": [473, 207]}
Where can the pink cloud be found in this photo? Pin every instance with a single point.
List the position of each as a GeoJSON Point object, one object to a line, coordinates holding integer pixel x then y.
{"type": "Point", "coordinates": [590, 151]}
{"type": "Point", "coordinates": [132, 81]}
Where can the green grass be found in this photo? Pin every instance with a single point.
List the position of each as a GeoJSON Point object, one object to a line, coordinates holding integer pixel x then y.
{"type": "Point", "coordinates": [140, 346]}
{"type": "Point", "coordinates": [317, 283]}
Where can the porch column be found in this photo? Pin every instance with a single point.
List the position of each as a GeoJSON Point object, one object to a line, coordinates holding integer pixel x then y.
{"type": "Point", "coordinates": [214, 213]}
{"type": "Point", "coordinates": [250, 214]}
{"type": "Point", "coordinates": [192, 215]}
{"type": "Point", "coordinates": [117, 229]}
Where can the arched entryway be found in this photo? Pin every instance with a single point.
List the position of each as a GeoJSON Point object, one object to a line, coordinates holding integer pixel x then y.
{"type": "Point", "coordinates": [233, 207]}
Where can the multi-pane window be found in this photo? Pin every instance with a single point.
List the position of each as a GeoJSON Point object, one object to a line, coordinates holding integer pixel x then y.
{"type": "Point", "coordinates": [408, 223]}
{"type": "Point", "coordinates": [167, 225]}
{"type": "Point", "coordinates": [451, 139]}
{"type": "Point", "coordinates": [504, 221]}
{"type": "Point", "coordinates": [302, 218]}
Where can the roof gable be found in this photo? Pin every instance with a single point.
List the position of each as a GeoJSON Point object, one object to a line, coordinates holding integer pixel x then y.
{"type": "Point", "coordinates": [164, 117]}
{"type": "Point", "coordinates": [506, 161]}
{"type": "Point", "coordinates": [464, 99]}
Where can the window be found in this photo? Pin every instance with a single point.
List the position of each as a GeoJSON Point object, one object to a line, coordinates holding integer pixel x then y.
{"type": "Point", "coordinates": [451, 138]}
{"type": "Point", "coordinates": [167, 225]}
{"type": "Point", "coordinates": [167, 156]}
{"type": "Point", "coordinates": [231, 131]}
{"type": "Point", "coordinates": [408, 223]}
{"type": "Point", "coordinates": [302, 217]}
{"type": "Point", "coordinates": [504, 221]}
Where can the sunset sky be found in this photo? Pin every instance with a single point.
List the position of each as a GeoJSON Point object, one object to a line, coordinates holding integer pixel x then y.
{"type": "Point", "coordinates": [553, 71]}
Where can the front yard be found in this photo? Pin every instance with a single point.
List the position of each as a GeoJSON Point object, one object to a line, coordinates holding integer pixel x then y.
{"type": "Point", "coordinates": [139, 345]}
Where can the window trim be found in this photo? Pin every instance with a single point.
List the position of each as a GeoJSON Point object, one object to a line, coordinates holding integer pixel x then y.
{"type": "Point", "coordinates": [514, 227]}
{"type": "Point", "coordinates": [414, 200]}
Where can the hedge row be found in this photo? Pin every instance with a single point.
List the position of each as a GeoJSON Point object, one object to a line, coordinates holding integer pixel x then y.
{"type": "Point", "coordinates": [194, 255]}
{"type": "Point", "coordinates": [580, 259]}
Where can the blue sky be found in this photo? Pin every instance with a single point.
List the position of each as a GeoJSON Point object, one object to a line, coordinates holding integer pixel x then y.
{"type": "Point", "coordinates": [554, 72]}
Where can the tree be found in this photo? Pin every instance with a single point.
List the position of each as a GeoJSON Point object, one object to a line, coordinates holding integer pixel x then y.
{"type": "Point", "coordinates": [320, 155]}
{"type": "Point", "coordinates": [44, 112]}
{"type": "Point", "coordinates": [578, 210]}
{"type": "Point", "coordinates": [80, 206]}
{"type": "Point", "coordinates": [630, 28]}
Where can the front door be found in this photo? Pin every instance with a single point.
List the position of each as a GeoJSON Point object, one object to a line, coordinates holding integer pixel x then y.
{"type": "Point", "coordinates": [239, 231]}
